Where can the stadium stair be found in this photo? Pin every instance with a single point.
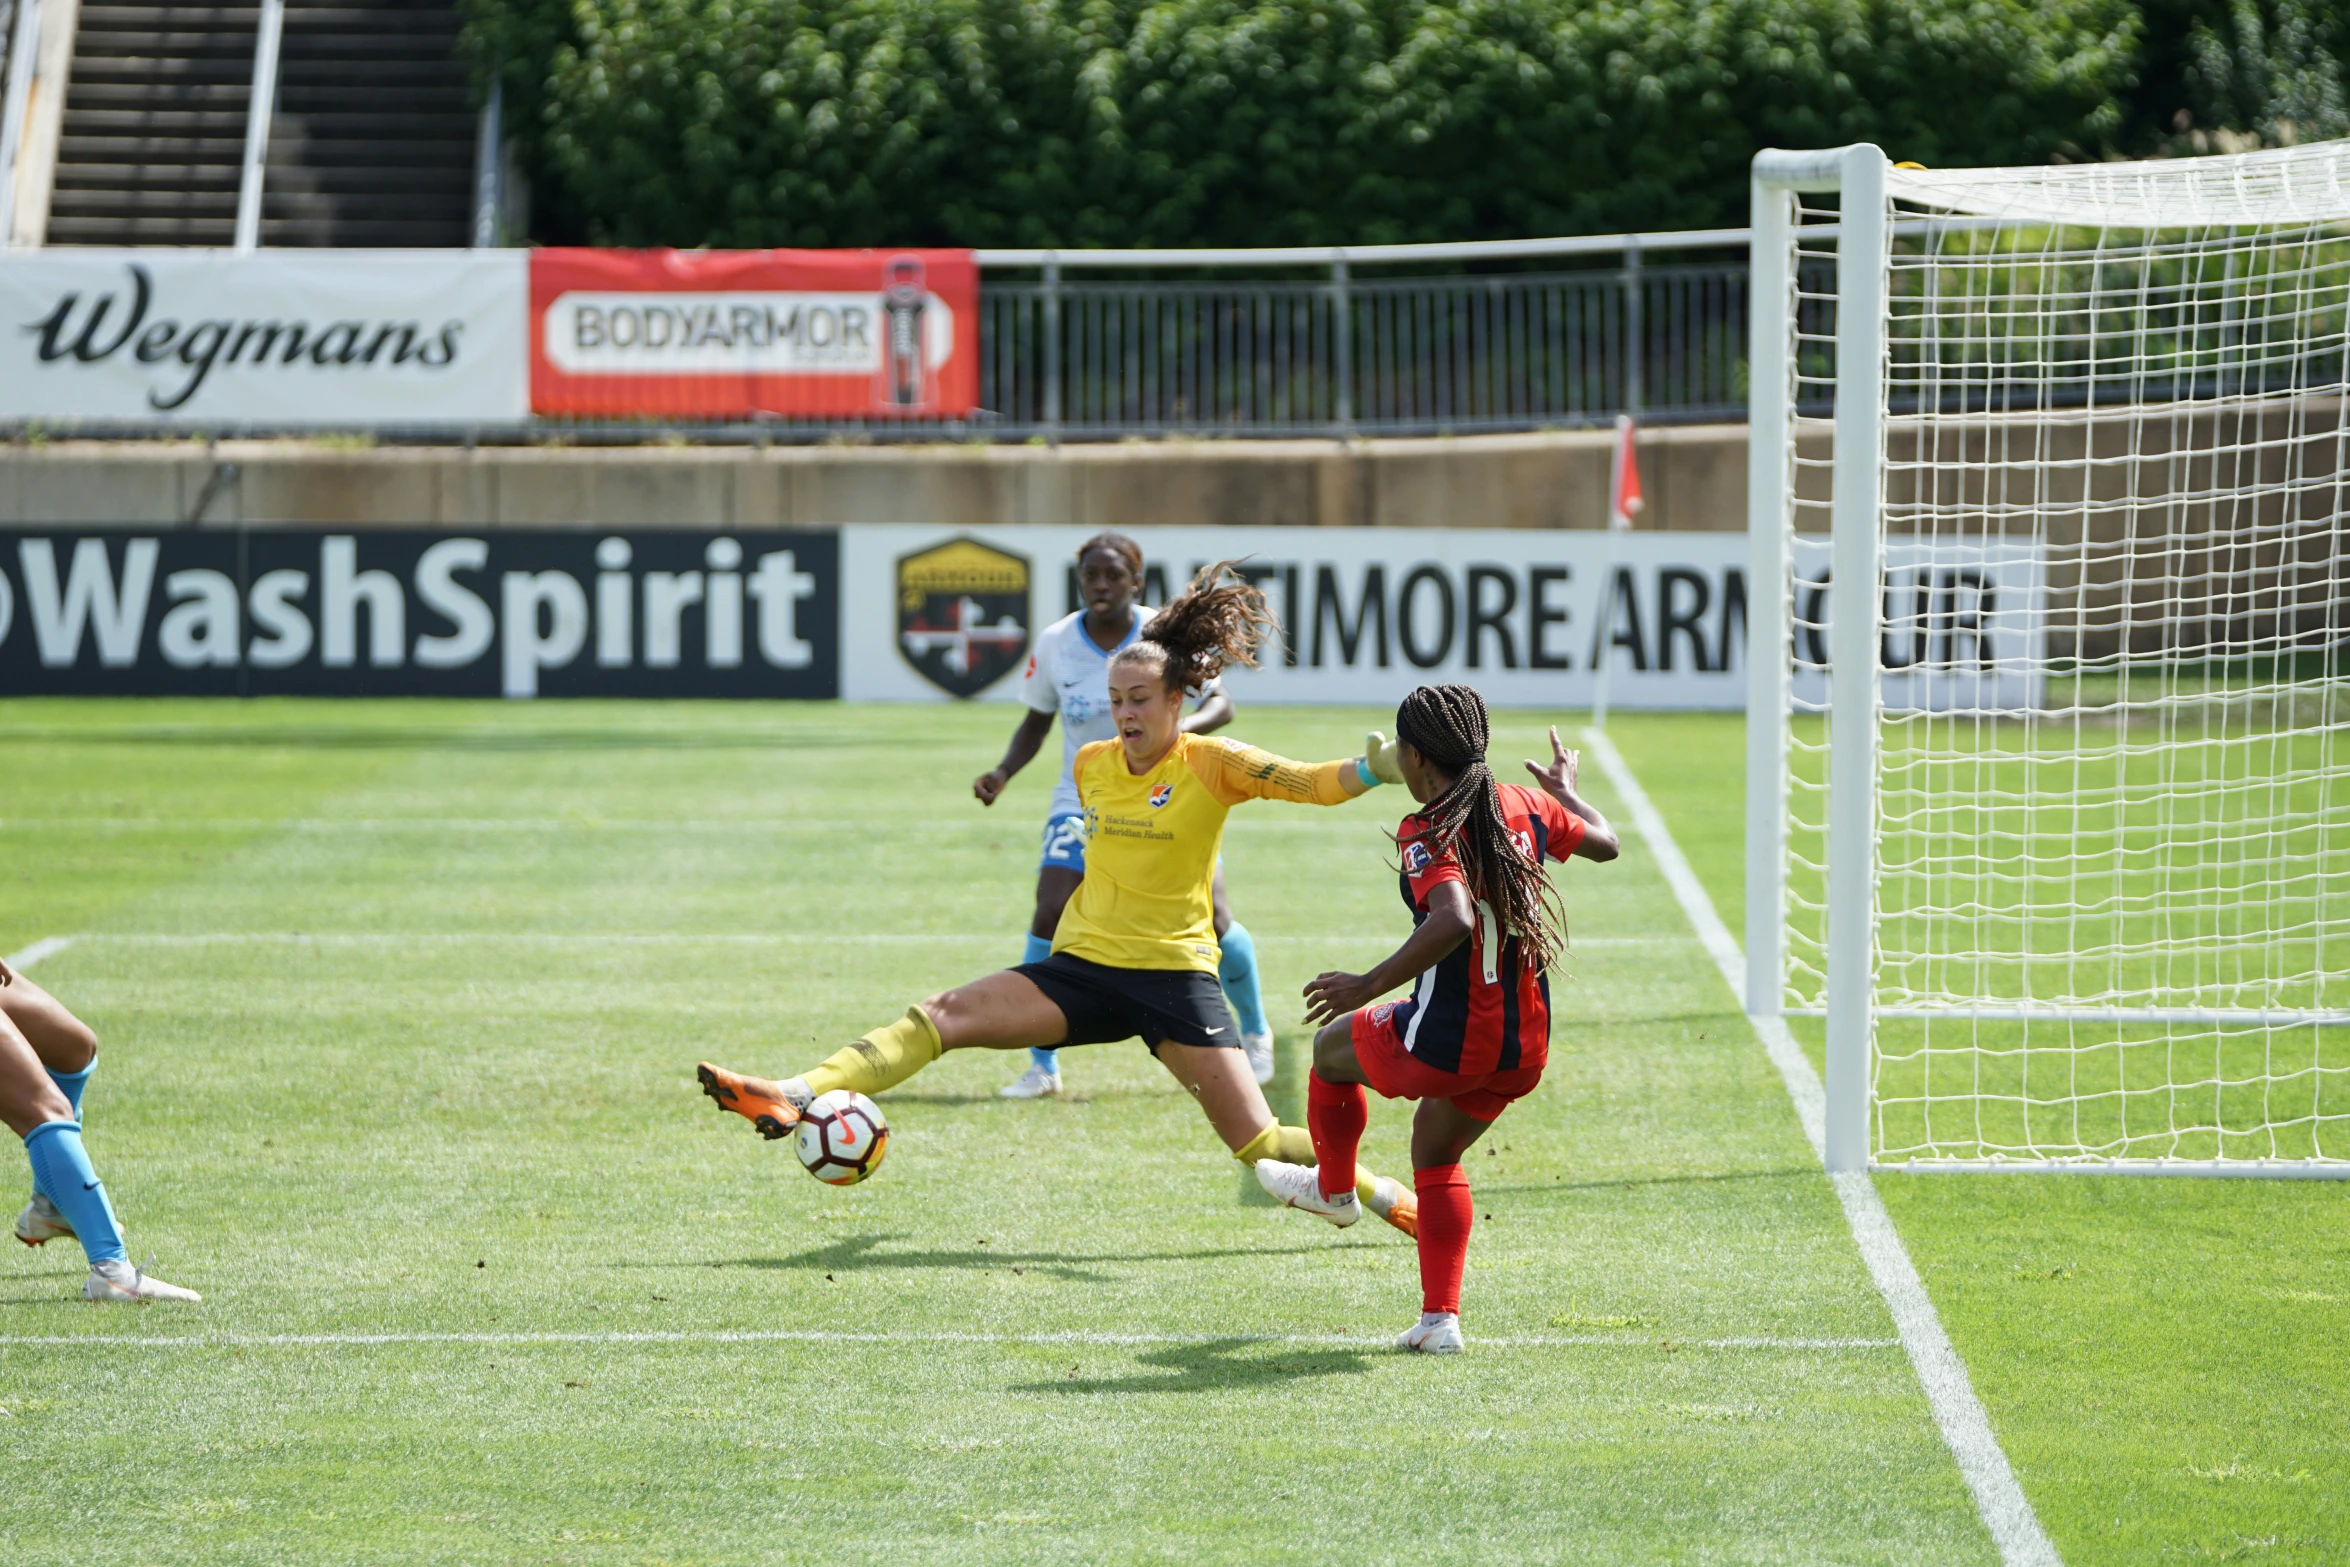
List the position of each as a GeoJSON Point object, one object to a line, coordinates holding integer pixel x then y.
{"type": "Point", "coordinates": [372, 142]}
{"type": "Point", "coordinates": [154, 128]}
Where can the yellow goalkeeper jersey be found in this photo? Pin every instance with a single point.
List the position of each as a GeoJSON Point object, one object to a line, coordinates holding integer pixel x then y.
{"type": "Point", "coordinates": [1151, 845]}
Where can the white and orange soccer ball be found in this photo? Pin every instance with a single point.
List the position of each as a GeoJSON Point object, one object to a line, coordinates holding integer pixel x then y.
{"type": "Point", "coordinates": [841, 1137]}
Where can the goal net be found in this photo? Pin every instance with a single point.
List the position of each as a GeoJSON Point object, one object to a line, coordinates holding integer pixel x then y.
{"type": "Point", "coordinates": [2049, 741]}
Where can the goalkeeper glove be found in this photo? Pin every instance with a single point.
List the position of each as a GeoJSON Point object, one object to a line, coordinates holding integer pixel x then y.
{"type": "Point", "coordinates": [1379, 756]}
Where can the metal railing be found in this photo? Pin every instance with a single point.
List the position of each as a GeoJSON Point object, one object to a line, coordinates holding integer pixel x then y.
{"type": "Point", "coordinates": [1341, 354]}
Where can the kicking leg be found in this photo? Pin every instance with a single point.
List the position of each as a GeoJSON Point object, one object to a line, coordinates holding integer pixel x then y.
{"type": "Point", "coordinates": [1441, 1133]}
{"type": "Point", "coordinates": [1004, 1011]}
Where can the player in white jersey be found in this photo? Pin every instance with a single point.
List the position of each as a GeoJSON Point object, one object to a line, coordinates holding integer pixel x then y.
{"type": "Point", "coordinates": [1069, 678]}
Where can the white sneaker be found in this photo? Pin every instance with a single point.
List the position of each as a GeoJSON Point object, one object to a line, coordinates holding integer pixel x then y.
{"type": "Point", "coordinates": [116, 1279]}
{"type": "Point", "coordinates": [1436, 1333]}
{"type": "Point", "coordinates": [1300, 1186]}
{"type": "Point", "coordinates": [1259, 1050]}
{"type": "Point", "coordinates": [1035, 1083]}
{"type": "Point", "coordinates": [41, 1223]}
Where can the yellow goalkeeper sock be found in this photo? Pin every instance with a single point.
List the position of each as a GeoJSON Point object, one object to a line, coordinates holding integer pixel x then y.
{"type": "Point", "coordinates": [1295, 1145]}
{"type": "Point", "coordinates": [882, 1059]}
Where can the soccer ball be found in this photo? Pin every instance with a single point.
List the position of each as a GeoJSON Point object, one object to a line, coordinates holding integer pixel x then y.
{"type": "Point", "coordinates": [842, 1137]}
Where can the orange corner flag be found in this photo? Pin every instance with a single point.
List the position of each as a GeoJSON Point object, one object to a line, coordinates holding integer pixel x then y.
{"type": "Point", "coordinates": [1623, 490]}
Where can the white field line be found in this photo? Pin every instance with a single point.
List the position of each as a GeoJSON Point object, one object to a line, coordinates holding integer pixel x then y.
{"type": "Point", "coordinates": [1966, 1426]}
{"type": "Point", "coordinates": [819, 1336]}
{"type": "Point", "coordinates": [46, 947]}
{"type": "Point", "coordinates": [369, 938]}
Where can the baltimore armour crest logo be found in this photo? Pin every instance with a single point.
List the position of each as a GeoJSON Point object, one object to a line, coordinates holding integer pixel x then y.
{"type": "Point", "coordinates": [963, 614]}
{"type": "Point", "coordinates": [1161, 794]}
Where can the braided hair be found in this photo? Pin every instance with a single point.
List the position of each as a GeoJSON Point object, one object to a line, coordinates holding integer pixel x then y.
{"type": "Point", "coordinates": [1448, 725]}
{"type": "Point", "coordinates": [1210, 625]}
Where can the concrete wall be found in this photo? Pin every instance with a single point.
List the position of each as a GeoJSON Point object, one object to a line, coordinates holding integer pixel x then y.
{"type": "Point", "coordinates": [1695, 479]}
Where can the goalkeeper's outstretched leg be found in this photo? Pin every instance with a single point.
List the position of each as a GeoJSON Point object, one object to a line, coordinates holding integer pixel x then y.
{"type": "Point", "coordinates": [1011, 1010]}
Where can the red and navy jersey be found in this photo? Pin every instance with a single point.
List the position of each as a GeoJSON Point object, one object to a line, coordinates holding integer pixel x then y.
{"type": "Point", "coordinates": [1484, 1008]}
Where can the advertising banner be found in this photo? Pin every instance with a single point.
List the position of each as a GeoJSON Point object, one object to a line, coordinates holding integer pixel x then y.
{"type": "Point", "coordinates": [810, 333]}
{"type": "Point", "coordinates": [939, 613]}
{"type": "Point", "coordinates": [1963, 625]}
{"type": "Point", "coordinates": [1523, 615]}
{"type": "Point", "coordinates": [275, 338]}
{"type": "Point", "coordinates": [415, 613]}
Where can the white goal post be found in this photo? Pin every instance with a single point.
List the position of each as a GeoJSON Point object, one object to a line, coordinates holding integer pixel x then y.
{"type": "Point", "coordinates": [2048, 739]}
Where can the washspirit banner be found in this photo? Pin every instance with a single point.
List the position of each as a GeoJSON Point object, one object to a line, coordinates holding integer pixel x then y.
{"type": "Point", "coordinates": [410, 613]}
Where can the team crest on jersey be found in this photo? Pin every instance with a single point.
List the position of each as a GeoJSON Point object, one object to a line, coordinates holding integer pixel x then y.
{"type": "Point", "coordinates": [1161, 794]}
{"type": "Point", "coordinates": [963, 614]}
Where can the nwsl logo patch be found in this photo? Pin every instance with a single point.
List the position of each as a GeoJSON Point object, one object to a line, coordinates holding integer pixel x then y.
{"type": "Point", "coordinates": [1415, 859]}
{"type": "Point", "coordinates": [1161, 794]}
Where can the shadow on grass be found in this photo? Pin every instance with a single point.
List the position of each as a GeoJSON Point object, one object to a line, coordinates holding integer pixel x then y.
{"type": "Point", "coordinates": [1219, 1365]}
{"type": "Point", "coordinates": [855, 1253]}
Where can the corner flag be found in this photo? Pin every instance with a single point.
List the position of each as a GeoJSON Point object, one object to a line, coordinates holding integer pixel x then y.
{"type": "Point", "coordinates": [1623, 489]}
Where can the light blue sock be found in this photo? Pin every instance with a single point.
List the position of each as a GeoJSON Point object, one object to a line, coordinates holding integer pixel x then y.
{"type": "Point", "coordinates": [71, 1084]}
{"type": "Point", "coordinates": [61, 1169]}
{"type": "Point", "coordinates": [1039, 949]}
{"type": "Point", "coordinates": [1238, 971]}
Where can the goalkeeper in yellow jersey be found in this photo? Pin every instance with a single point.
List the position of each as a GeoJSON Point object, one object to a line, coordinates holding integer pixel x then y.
{"type": "Point", "coordinates": [1135, 952]}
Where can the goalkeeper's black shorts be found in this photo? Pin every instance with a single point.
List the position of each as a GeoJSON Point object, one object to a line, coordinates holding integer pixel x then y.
{"type": "Point", "coordinates": [1105, 1004]}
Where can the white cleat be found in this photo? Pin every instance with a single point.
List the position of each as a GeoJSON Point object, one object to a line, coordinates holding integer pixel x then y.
{"type": "Point", "coordinates": [1035, 1083]}
{"type": "Point", "coordinates": [1259, 1050]}
{"type": "Point", "coordinates": [116, 1279]}
{"type": "Point", "coordinates": [41, 1223]}
{"type": "Point", "coordinates": [1436, 1333]}
{"type": "Point", "coordinates": [1300, 1187]}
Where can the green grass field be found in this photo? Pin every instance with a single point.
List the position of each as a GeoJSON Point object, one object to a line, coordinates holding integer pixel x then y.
{"type": "Point", "coordinates": [400, 1005]}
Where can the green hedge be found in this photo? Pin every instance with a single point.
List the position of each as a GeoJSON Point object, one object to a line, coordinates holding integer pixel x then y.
{"type": "Point", "coordinates": [1194, 122]}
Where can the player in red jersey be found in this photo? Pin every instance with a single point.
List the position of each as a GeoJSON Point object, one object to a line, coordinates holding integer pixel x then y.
{"type": "Point", "coordinates": [1475, 1032]}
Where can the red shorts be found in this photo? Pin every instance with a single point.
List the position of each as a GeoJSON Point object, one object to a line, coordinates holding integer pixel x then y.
{"type": "Point", "coordinates": [1395, 1073]}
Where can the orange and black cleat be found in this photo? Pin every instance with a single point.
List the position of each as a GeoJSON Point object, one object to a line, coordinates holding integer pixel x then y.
{"type": "Point", "coordinates": [773, 1116]}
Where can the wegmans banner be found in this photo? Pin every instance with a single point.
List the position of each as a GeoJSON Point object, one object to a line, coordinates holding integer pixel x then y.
{"type": "Point", "coordinates": [280, 339]}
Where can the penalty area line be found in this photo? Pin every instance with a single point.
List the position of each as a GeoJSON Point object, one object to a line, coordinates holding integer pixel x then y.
{"type": "Point", "coordinates": [46, 947]}
{"type": "Point", "coordinates": [821, 1336]}
{"type": "Point", "coordinates": [1965, 1425]}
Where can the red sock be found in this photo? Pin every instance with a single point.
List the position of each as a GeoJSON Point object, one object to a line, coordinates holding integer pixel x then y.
{"type": "Point", "coordinates": [1336, 1114]}
{"type": "Point", "coordinates": [1445, 1216]}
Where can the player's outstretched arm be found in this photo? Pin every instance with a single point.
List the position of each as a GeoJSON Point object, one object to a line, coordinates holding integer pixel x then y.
{"type": "Point", "coordinates": [1237, 772]}
{"type": "Point", "coordinates": [1026, 739]}
{"type": "Point", "coordinates": [1451, 916]}
{"type": "Point", "coordinates": [1558, 781]}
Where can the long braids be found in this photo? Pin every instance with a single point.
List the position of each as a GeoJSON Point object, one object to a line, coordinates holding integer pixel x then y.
{"type": "Point", "coordinates": [1208, 627]}
{"type": "Point", "coordinates": [1448, 725]}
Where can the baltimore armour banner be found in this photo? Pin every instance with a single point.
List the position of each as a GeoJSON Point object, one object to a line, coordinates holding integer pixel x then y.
{"type": "Point", "coordinates": [833, 333]}
{"type": "Point", "coordinates": [413, 613]}
{"type": "Point", "coordinates": [1367, 613]}
{"type": "Point", "coordinates": [276, 338]}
